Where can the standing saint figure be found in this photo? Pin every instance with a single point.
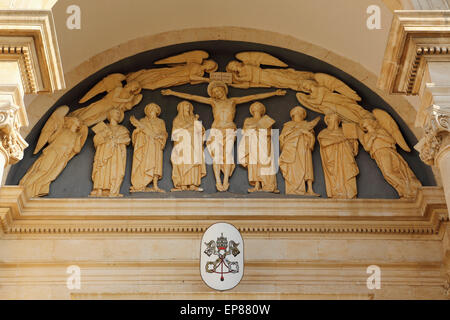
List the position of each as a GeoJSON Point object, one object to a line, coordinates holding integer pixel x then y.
{"type": "Point", "coordinates": [224, 133]}
{"type": "Point", "coordinates": [149, 139]}
{"type": "Point", "coordinates": [63, 145]}
{"type": "Point", "coordinates": [297, 141]}
{"type": "Point", "coordinates": [255, 150]}
{"type": "Point", "coordinates": [110, 142]}
{"type": "Point", "coordinates": [382, 148]}
{"type": "Point", "coordinates": [338, 159]}
{"type": "Point", "coordinates": [188, 162]}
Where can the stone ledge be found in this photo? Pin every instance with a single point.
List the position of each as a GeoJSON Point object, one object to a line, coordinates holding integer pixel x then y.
{"type": "Point", "coordinates": [422, 216]}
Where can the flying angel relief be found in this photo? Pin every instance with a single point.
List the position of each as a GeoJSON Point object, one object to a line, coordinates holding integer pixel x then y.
{"type": "Point", "coordinates": [348, 125]}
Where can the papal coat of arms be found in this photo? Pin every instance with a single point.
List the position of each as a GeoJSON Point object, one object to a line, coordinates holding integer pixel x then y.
{"type": "Point", "coordinates": [222, 262]}
{"type": "Point", "coordinates": [222, 249]}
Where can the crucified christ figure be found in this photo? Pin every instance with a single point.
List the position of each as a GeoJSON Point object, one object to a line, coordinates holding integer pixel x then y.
{"type": "Point", "coordinates": [224, 135]}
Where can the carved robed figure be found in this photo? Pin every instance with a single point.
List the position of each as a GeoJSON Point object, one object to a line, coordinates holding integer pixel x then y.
{"type": "Point", "coordinates": [65, 139]}
{"type": "Point", "coordinates": [255, 150]}
{"type": "Point", "coordinates": [338, 159]}
{"type": "Point", "coordinates": [247, 72]}
{"type": "Point", "coordinates": [117, 97]}
{"type": "Point", "coordinates": [224, 111]}
{"type": "Point", "coordinates": [297, 143]}
{"type": "Point", "coordinates": [110, 142]}
{"type": "Point", "coordinates": [382, 148]}
{"type": "Point", "coordinates": [149, 139]}
{"type": "Point", "coordinates": [188, 162]}
{"type": "Point", "coordinates": [188, 67]}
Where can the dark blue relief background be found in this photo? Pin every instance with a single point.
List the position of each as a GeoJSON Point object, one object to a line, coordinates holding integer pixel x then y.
{"type": "Point", "coordinates": [75, 180]}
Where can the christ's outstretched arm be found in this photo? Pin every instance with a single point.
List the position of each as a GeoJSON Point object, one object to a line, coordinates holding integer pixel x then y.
{"type": "Point", "coordinates": [253, 97]}
{"type": "Point", "coordinates": [168, 92]}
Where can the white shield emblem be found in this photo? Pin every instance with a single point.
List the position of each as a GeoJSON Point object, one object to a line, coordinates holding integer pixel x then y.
{"type": "Point", "coordinates": [222, 256]}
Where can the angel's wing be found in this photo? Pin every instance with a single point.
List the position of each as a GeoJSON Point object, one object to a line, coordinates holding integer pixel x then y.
{"type": "Point", "coordinates": [53, 124]}
{"type": "Point", "coordinates": [84, 133]}
{"type": "Point", "coordinates": [388, 124]}
{"type": "Point", "coordinates": [256, 58]}
{"type": "Point", "coordinates": [337, 85]}
{"type": "Point", "coordinates": [195, 56]}
{"type": "Point", "coordinates": [106, 84]}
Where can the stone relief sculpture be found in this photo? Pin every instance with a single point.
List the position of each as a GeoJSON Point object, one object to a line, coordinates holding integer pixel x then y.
{"type": "Point", "coordinates": [338, 152]}
{"type": "Point", "coordinates": [12, 143]}
{"type": "Point", "coordinates": [255, 150]}
{"type": "Point", "coordinates": [379, 139]}
{"type": "Point", "coordinates": [65, 137]}
{"type": "Point", "coordinates": [117, 97]}
{"type": "Point", "coordinates": [326, 94]}
{"type": "Point", "coordinates": [110, 142]}
{"type": "Point", "coordinates": [247, 72]}
{"type": "Point", "coordinates": [436, 125]}
{"type": "Point", "coordinates": [224, 111]}
{"type": "Point", "coordinates": [189, 67]}
{"type": "Point", "coordinates": [65, 133]}
{"type": "Point", "coordinates": [329, 95]}
{"type": "Point", "coordinates": [188, 163]}
{"type": "Point", "coordinates": [297, 141]}
{"type": "Point", "coordinates": [149, 139]}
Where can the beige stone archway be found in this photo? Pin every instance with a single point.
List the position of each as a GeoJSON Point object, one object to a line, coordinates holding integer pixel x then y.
{"type": "Point", "coordinates": [37, 108]}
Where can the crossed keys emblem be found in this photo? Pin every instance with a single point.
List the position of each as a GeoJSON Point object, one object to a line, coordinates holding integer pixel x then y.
{"type": "Point", "coordinates": [222, 248]}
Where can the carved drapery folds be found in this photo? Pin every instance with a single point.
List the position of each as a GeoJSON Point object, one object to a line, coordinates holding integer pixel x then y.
{"type": "Point", "coordinates": [13, 144]}
{"type": "Point", "coordinates": [377, 131]}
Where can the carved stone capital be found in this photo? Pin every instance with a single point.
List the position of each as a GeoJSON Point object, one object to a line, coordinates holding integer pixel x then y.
{"type": "Point", "coordinates": [12, 143]}
{"type": "Point", "coordinates": [437, 129]}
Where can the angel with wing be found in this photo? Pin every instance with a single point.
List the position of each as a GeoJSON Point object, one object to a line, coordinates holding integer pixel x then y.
{"type": "Point", "coordinates": [247, 72]}
{"type": "Point", "coordinates": [65, 137]}
{"type": "Point", "coordinates": [380, 138]}
{"type": "Point", "coordinates": [327, 94]}
{"type": "Point", "coordinates": [118, 96]}
{"type": "Point", "coordinates": [189, 67]}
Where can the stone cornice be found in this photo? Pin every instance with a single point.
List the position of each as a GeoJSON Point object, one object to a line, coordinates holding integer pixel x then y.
{"type": "Point", "coordinates": [423, 216]}
{"type": "Point", "coordinates": [415, 38]}
{"type": "Point", "coordinates": [29, 37]}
